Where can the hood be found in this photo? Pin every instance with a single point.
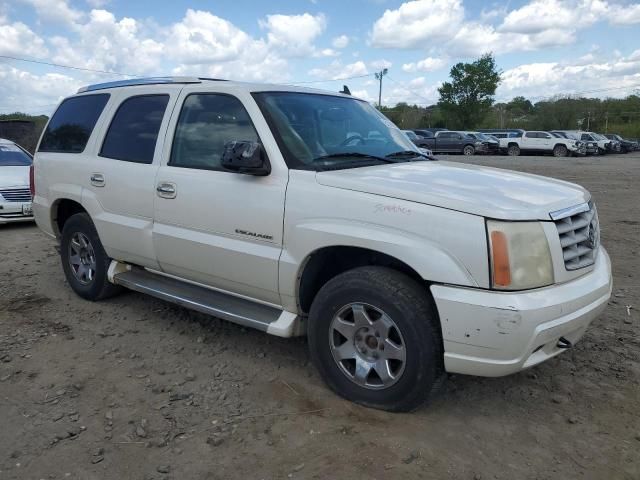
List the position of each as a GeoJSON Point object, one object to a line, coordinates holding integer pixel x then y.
{"type": "Point", "coordinates": [490, 192]}
{"type": "Point", "coordinates": [14, 176]}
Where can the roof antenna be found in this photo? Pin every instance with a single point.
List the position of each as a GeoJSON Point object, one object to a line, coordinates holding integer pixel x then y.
{"type": "Point", "coordinates": [345, 90]}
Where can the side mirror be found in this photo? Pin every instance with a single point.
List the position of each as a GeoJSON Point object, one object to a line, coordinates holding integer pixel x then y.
{"type": "Point", "coordinates": [242, 156]}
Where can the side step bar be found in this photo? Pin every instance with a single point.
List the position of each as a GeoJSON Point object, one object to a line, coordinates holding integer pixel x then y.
{"type": "Point", "coordinates": [221, 305]}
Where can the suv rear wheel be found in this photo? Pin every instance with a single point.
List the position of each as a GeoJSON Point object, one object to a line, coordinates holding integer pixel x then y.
{"type": "Point", "coordinates": [374, 337]}
{"type": "Point", "coordinates": [84, 260]}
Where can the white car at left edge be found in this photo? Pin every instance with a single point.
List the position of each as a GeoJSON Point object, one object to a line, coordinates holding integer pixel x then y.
{"type": "Point", "coordinates": [15, 195]}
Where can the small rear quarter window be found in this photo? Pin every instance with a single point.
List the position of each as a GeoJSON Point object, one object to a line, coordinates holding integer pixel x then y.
{"type": "Point", "coordinates": [71, 126]}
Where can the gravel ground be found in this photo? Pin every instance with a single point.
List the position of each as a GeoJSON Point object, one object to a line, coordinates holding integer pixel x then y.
{"type": "Point", "coordinates": [136, 388]}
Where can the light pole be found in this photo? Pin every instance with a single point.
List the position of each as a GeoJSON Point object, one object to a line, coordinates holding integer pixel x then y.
{"type": "Point", "coordinates": [379, 76]}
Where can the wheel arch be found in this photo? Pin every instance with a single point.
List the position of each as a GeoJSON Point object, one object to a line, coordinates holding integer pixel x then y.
{"type": "Point", "coordinates": [61, 210]}
{"type": "Point", "coordinates": [325, 263]}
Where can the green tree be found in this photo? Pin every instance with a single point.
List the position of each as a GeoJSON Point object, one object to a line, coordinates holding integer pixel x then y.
{"type": "Point", "coordinates": [467, 98]}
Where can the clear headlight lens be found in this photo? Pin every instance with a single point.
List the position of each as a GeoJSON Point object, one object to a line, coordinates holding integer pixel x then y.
{"type": "Point", "coordinates": [519, 255]}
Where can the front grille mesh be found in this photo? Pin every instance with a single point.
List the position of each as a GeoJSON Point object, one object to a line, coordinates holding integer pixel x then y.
{"type": "Point", "coordinates": [16, 194]}
{"type": "Point", "coordinates": [579, 238]}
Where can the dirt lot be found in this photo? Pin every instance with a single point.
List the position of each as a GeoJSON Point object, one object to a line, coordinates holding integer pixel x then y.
{"type": "Point", "coordinates": [136, 388]}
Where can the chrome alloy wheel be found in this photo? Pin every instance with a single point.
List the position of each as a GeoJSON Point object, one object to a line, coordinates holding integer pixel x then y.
{"type": "Point", "coordinates": [82, 258]}
{"type": "Point", "coordinates": [367, 346]}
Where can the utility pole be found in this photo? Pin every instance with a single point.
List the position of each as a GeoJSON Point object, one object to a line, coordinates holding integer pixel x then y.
{"type": "Point", "coordinates": [379, 76]}
{"type": "Point", "coordinates": [588, 121]}
{"type": "Point", "coordinates": [606, 122]}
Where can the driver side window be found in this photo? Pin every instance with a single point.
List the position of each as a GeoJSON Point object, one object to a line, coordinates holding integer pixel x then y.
{"type": "Point", "coordinates": [206, 123]}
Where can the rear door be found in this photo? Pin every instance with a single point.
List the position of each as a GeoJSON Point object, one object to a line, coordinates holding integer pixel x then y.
{"type": "Point", "coordinates": [219, 228]}
{"type": "Point", "coordinates": [120, 186]}
{"type": "Point", "coordinates": [530, 141]}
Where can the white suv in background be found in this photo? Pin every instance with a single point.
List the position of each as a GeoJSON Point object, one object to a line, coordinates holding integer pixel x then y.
{"type": "Point", "coordinates": [15, 197]}
{"type": "Point", "coordinates": [299, 211]}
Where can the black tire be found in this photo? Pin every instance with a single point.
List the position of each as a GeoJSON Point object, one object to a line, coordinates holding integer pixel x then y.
{"type": "Point", "coordinates": [560, 151]}
{"type": "Point", "coordinates": [98, 287]}
{"type": "Point", "coordinates": [468, 150]}
{"type": "Point", "coordinates": [412, 310]}
{"type": "Point", "coordinates": [513, 150]}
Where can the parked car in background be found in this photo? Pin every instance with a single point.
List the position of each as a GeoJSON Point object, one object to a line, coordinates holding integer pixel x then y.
{"type": "Point", "coordinates": [502, 132]}
{"type": "Point", "coordinates": [397, 268]}
{"type": "Point", "coordinates": [625, 144]}
{"type": "Point", "coordinates": [603, 143]}
{"type": "Point", "coordinates": [491, 145]}
{"type": "Point", "coordinates": [446, 141]}
{"type": "Point", "coordinates": [429, 131]}
{"type": "Point", "coordinates": [15, 196]}
{"type": "Point", "coordinates": [591, 146]}
{"type": "Point", "coordinates": [612, 146]}
{"type": "Point", "coordinates": [534, 141]}
{"type": "Point", "coordinates": [418, 141]}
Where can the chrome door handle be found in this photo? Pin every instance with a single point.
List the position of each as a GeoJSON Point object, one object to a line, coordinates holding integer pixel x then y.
{"type": "Point", "coordinates": [97, 179]}
{"type": "Point", "coordinates": [166, 190]}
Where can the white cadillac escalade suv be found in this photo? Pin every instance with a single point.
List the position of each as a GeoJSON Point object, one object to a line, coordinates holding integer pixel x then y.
{"type": "Point", "coordinates": [303, 212]}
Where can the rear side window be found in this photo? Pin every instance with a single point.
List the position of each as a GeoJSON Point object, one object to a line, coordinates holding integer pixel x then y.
{"type": "Point", "coordinates": [208, 121]}
{"type": "Point", "coordinates": [134, 129]}
{"type": "Point", "coordinates": [71, 126]}
{"type": "Point", "coordinates": [13, 156]}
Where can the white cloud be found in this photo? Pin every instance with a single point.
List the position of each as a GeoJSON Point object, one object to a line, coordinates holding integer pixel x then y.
{"type": "Point", "coordinates": [380, 64]}
{"type": "Point", "coordinates": [294, 34]}
{"type": "Point", "coordinates": [55, 11]}
{"type": "Point", "coordinates": [337, 71]}
{"type": "Point", "coordinates": [201, 37]}
{"type": "Point", "coordinates": [441, 25]}
{"type": "Point", "coordinates": [17, 39]}
{"type": "Point", "coordinates": [340, 42]}
{"type": "Point", "coordinates": [27, 92]}
{"type": "Point", "coordinates": [601, 77]}
{"type": "Point", "coordinates": [417, 23]}
{"type": "Point", "coordinates": [429, 64]}
{"type": "Point", "coordinates": [105, 43]}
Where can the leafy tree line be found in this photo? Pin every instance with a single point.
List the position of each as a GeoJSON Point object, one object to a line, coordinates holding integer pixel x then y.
{"type": "Point", "coordinates": [28, 135]}
{"type": "Point", "coordinates": [467, 102]}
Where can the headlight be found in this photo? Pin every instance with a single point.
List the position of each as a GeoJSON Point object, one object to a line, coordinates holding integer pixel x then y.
{"type": "Point", "coordinates": [519, 255]}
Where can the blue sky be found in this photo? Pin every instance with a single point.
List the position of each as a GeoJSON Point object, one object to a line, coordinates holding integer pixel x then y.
{"type": "Point", "coordinates": [543, 47]}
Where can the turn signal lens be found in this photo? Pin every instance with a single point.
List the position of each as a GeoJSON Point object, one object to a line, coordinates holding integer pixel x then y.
{"type": "Point", "coordinates": [500, 260]}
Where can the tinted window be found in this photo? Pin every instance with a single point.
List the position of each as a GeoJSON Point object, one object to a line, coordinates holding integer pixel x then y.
{"type": "Point", "coordinates": [531, 135]}
{"type": "Point", "coordinates": [134, 129]}
{"type": "Point", "coordinates": [13, 156]}
{"type": "Point", "coordinates": [208, 121]}
{"type": "Point", "coordinates": [71, 126]}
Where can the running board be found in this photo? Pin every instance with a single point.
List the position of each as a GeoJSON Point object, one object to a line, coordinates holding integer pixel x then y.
{"type": "Point", "coordinates": [221, 305]}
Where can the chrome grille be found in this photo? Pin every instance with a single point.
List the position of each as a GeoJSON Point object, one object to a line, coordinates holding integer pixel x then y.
{"type": "Point", "coordinates": [579, 233]}
{"type": "Point", "coordinates": [16, 194]}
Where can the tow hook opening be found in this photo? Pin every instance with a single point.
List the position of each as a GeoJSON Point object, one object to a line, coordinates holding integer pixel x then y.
{"type": "Point", "coordinates": [564, 343]}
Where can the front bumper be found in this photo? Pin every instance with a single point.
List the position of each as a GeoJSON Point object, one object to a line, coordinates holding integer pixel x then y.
{"type": "Point", "coordinates": [11, 212]}
{"type": "Point", "coordinates": [490, 334]}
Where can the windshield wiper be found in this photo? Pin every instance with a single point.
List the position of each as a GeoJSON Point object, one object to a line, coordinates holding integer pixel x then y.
{"type": "Point", "coordinates": [353, 154]}
{"type": "Point", "coordinates": [408, 153]}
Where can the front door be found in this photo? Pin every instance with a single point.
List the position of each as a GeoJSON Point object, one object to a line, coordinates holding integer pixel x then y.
{"type": "Point", "coordinates": [211, 226]}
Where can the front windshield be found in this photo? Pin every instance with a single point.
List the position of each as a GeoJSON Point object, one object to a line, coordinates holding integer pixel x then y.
{"type": "Point", "coordinates": [481, 136]}
{"type": "Point", "coordinates": [13, 156]}
{"type": "Point", "coordinates": [316, 131]}
{"type": "Point", "coordinates": [597, 136]}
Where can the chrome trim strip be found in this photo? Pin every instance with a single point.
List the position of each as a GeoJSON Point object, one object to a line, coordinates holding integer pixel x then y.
{"type": "Point", "coordinates": [569, 211]}
{"type": "Point", "coordinates": [138, 81]}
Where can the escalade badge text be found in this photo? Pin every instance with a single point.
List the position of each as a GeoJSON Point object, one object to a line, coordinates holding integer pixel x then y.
{"type": "Point", "coordinates": [254, 234]}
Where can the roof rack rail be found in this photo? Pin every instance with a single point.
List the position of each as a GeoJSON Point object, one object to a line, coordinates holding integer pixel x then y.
{"type": "Point", "coordinates": [141, 81]}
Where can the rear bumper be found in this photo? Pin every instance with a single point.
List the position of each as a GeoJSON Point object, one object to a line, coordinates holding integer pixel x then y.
{"type": "Point", "coordinates": [491, 334]}
{"type": "Point", "coordinates": [11, 212]}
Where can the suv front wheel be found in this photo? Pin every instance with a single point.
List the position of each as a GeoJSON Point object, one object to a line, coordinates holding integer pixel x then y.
{"type": "Point", "coordinates": [374, 337]}
{"type": "Point", "coordinates": [84, 260]}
